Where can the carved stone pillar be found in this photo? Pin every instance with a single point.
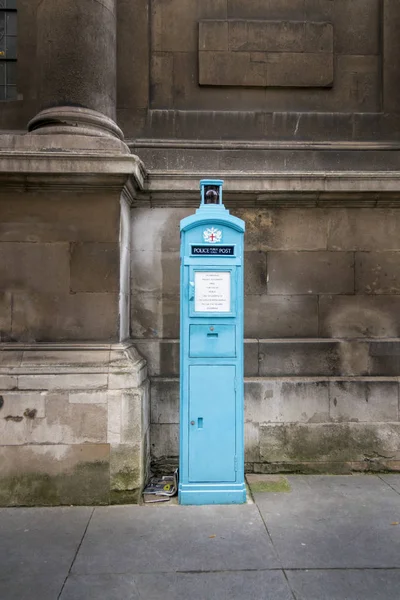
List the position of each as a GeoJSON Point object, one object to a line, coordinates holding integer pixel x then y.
{"type": "Point", "coordinates": [76, 48]}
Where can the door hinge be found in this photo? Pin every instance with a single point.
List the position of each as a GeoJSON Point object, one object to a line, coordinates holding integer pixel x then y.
{"type": "Point", "coordinates": [235, 463]}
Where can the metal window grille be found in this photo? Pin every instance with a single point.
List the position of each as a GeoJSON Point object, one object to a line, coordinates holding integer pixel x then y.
{"type": "Point", "coordinates": [8, 49]}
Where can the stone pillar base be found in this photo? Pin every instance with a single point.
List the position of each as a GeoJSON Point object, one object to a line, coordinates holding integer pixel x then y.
{"type": "Point", "coordinates": [74, 424]}
{"type": "Point", "coordinates": [74, 120]}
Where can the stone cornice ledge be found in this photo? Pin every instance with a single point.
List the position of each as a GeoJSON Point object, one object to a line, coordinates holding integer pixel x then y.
{"type": "Point", "coordinates": [69, 358]}
{"type": "Point", "coordinates": [355, 188]}
{"type": "Point", "coordinates": [52, 169]}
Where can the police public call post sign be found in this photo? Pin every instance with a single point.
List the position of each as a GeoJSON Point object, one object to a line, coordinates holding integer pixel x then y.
{"type": "Point", "coordinates": [211, 464]}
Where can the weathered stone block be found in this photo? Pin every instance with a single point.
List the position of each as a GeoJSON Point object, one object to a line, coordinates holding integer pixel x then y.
{"type": "Point", "coordinates": [153, 317]}
{"type": "Point", "coordinates": [232, 69]}
{"type": "Point", "coordinates": [114, 418]}
{"type": "Point", "coordinates": [72, 424]}
{"type": "Point", "coordinates": [162, 79]}
{"type": "Point", "coordinates": [10, 357]}
{"type": "Point", "coordinates": [126, 473]}
{"type": "Point", "coordinates": [8, 382]}
{"type": "Point", "coordinates": [127, 380]}
{"type": "Point", "coordinates": [164, 440]}
{"type": "Point", "coordinates": [132, 418]}
{"type": "Point", "coordinates": [265, 53]}
{"type": "Point", "coordinates": [295, 229]}
{"type": "Point", "coordinates": [354, 357]}
{"type": "Point", "coordinates": [299, 358]}
{"type": "Point", "coordinates": [94, 267]}
{"type": "Point", "coordinates": [318, 10]}
{"type": "Point", "coordinates": [356, 26]}
{"type": "Point", "coordinates": [251, 442]}
{"type": "Point", "coordinates": [162, 230]}
{"type": "Point", "coordinates": [359, 316]}
{"type": "Point", "coordinates": [281, 316]}
{"type": "Point", "coordinates": [286, 402]}
{"type": "Point", "coordinates": [391, 49]}
{"type": "Point", "coordinates": [181, 18]}
{"type": "Point", "coordinates": [364, 229]}
{"type": "Point", "coordinates": [251, 358]}
{"type": "Point", "coordinates": [384, 358]}
{"type": "Point", "coordinates": [255, 272]}
{"type": "Point", "coordinates": [155, 272]}
{"type": "Point", "coordinates": [162, 356]}
{"type": "Point", "coordinates": [259, 9]}
{"type": "Point", "coordinates": [133, 41]}
{"type": "Point", "coordinates": [358, 86]}
{"type": "Point", "coordinates": [16, 404]}
{"type": "Point", "coordinates": [88, 397]}
{"type": "Point", "coordinates": [52, 421]}
{"type": "Point", "coordinates": [165, 401]}
{"type": "Point", "coordinates": [54, 474]}
{"type": "Point", "coordinates": [42, 358]}
{"type": "Point", "coordinates": [48, 317]}
{"type": "Point", "coordinates": [332, 442]}
{"type": "Point", "coordinates": [310, 273]}
{"type": "Point", "coordinates": [48, 217]}
{"type": "Point", "coordinates": [77, 381]}
{"type": "Point", "coordinates": [377, 272]}
{"type": "Point", "coordinates": [5, 315]}
{"type": "Point", "coordinates": [213, 35]}
{"type": "Point", "coordinates": [34, 267]}
{"type": "Point", "coordinates": [300, 70]}
{"type": "Point", "coordinates": [364, 401]}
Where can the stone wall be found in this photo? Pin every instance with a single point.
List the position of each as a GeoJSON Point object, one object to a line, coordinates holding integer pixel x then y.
{"type": "Point", "coordinates": [322, 297]}
{"type": "Point", "coordinates": [260, 69]}
{"type": "Point", "coordinates": [59, 266]}
{"type": "Point", "coordinates": [74, 424]}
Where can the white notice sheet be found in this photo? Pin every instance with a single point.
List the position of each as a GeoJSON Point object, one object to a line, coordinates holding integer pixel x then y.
{"type": "Point", "coordinates": [212, 291]}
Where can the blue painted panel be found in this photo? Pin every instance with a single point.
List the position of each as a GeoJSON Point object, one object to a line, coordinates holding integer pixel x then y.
{"type": "Point", "coordinates": [212, 431]}
{"type": "Point", "coordinates": [212, 340]}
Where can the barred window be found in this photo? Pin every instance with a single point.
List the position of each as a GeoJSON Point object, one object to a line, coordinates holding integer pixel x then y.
{"type": "Point", "coordinates": [8, 49]}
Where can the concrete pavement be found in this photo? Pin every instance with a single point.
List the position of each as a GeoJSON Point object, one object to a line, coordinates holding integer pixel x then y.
{"type": "Point", "coordinates": [318, 538]}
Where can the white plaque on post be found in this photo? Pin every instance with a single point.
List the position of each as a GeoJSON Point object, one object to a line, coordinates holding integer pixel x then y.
{"type": "Point", "coordinates": [212, 291]}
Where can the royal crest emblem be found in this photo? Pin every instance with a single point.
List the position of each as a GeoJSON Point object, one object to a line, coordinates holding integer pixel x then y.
{"type": "Point", "coordinates": [212, 235]}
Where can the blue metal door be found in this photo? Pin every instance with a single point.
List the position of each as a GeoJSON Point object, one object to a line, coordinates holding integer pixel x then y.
{"type": "Point", "coordinates": [212, 434]}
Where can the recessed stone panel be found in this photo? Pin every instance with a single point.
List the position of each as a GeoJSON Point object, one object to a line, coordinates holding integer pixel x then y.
{"type": "Point", "coordinates": [265, 53]}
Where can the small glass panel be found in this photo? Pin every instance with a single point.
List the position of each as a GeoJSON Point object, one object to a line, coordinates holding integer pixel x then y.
{"type": "Point", "coordinates": [212, 291]}
{"type": "Point", "coordinates": [8, 49]}
{"type": "Point", "coordinates": [11, 73]}
{"type": "Point", "coordinates": [11, 47]}
{"type": "Point", "coordinates": [11, 92]}
{"type": "Point", "coordinates": [11, 23]}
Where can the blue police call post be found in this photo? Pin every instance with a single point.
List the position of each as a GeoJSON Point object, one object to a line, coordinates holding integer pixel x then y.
{"type": "Point", "coordinates": [211, 465]}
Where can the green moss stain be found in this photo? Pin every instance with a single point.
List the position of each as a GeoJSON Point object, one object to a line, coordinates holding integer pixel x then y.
{"type": "Point", "coordinates": [275, 486]}
{"type": "Point", "coordinates": [87, 484]}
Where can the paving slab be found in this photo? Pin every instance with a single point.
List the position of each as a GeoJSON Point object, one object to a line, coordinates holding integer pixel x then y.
{"type": "Point", "coordinates": [374, 584]}
{"type": "Point", "coordinates": [144, 539]}
{"type": "Point", "coordinates": [40, 541]}
{"type": "Point", "coordinates": [334, 522]}
{"type": "Point", "coordinates": [100, 587]}
{"type": "Point", "coordinates": [26, 586]}
{"type": "Point", "coordinates": [392, 479]}
{"type": "Point", "coordinates": [259, 585]}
